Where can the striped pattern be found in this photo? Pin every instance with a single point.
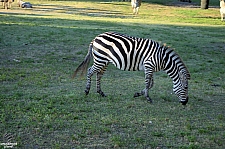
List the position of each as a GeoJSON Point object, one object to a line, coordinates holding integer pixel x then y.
{"type": "Point", "coordinates": [131, 54]}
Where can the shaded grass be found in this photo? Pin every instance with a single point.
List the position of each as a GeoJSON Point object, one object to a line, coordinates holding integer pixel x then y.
{"type": "Point", "coordinates": [41, 107]}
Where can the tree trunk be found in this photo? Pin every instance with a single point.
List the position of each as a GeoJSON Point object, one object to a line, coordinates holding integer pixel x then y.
{"type": "Point", "coordinates": [204, 4]}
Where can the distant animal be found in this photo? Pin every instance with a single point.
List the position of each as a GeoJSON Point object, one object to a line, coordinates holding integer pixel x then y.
{"type": "Point", "coordinates": [135, 5]}
{"type": "Point", "coordinates": [131, 54]}
{"type": "Point", "coordinates": [7, 3]}
{"type": "Point", "coordinates": [222, 10]}
{"type": "Point", "coordinates": [23, 4]}
{"type": "Point", "coordinates": [20, 2]}
{"type": "Point", "coordinates": [26, 5]}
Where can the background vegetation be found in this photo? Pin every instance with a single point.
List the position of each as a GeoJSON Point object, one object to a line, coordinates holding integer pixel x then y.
{"type": "Point", "coordinates": [41, 107]}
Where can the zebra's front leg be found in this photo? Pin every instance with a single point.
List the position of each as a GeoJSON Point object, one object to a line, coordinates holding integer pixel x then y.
{"type": "Point", "coordinates": [149, 84]}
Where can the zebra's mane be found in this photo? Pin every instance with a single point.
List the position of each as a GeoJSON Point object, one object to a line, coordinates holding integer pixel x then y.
{"type": "Point", "coordinates": [161, 46]}
{"type": "Point", "coordinates": [184, 68]}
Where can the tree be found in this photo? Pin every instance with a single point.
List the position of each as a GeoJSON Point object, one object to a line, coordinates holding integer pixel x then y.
{"type": "Point", "coordinates": [204, 4]}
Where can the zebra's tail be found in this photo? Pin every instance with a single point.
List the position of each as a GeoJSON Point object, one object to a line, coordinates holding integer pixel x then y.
{"type": "Point", "coordinates": [84, 65]}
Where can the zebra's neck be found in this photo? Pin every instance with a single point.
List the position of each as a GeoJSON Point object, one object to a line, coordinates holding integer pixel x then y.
{"type": "Point", "coordinates": [172, 63]}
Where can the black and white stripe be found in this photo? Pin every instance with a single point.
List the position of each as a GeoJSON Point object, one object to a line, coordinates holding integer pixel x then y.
{"type": "Point", "coordinates": [134, 54]}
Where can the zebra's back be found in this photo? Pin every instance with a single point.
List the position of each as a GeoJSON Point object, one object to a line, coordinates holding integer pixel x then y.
{"type": "Point", "coordinates": [125, 52]}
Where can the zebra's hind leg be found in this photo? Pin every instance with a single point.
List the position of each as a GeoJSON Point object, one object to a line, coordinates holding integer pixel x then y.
{"type": "Point", "coordinates": [98, 81]}
{"type": "Point", "coordinates": [137, 94]}
{"type": "Point", "coordinates": [89, 75]}
{"type": "Point", "coordinates": [149, 84]}
{"type": "Point", "coordinates": [134, 10]}
{"type": "Point", "coordinates": [137, 9]}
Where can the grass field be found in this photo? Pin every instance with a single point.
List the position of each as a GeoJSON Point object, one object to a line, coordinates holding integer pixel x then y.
{"type": "Point", "coordinates": [42, 107]}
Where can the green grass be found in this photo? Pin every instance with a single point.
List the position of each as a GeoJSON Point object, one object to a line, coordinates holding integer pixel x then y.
{"type": "Point", "coordinates": [41, 107]}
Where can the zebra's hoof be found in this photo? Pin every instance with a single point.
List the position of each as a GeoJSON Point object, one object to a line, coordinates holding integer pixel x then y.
{"type": "Point", "coordinates": [101, 93]}
{"type": "Point", "coordinates": [86, 92]}
{"type": "Point", "coordinates": [137, 95]}
{"type": "Point", "coordinates": [149, 100]}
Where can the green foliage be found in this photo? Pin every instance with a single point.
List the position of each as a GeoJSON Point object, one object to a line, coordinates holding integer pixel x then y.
{"type": "Point", "coordinates": [43, 108]}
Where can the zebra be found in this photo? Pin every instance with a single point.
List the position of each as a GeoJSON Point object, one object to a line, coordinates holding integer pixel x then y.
{"type": "Point", "coordinates": [135, 5]}
{"type": "Point", "coordinates": [134, 54]}
{"type": "Point", "coordinates": [7, 3]}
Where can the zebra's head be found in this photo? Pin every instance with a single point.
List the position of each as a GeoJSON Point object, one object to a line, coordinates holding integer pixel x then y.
{"type": "Point", "coordinates": [180, 86]}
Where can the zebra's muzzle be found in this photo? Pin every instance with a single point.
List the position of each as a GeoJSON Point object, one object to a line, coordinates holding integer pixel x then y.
{"type": "Point", "coordinates": [184, 102]}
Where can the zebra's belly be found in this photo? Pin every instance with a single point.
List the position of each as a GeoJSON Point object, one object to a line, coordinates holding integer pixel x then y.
{"type": "Point", "coordinates": [127, 68]}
